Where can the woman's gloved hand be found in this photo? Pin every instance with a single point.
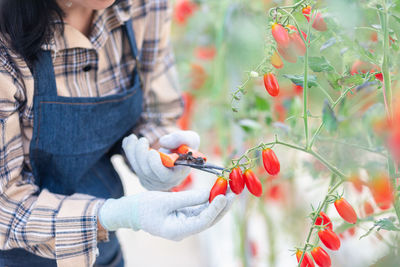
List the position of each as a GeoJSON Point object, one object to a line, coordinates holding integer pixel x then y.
{"type": "Point", "coordinates": [146, 163]}
{"type": "Point", "coordinates": [171, 215]}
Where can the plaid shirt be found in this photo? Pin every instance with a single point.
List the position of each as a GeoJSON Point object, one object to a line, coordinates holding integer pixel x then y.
{"type": "Point", "coordinates": [65, 227]}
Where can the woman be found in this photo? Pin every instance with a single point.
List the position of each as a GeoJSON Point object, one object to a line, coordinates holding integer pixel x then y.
{"type": "Point", "coordinates": [76, 77]}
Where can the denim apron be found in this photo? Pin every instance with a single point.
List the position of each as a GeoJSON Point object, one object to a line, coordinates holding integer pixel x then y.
{"type": "Point", "coordinates": [73, 140]}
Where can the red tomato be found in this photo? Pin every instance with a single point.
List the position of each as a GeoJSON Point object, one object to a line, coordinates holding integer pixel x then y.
{"type": "Point", "coordinates": [298, 89]}
{"type": "Point", "coordinates": [324, 220]}
{"type": "Point", "coordinates": [296, 42]}
{"type": "Point", "coordinates": [374, 36]}
{"type": "Point", "coordinates": [280, 111]}
{"type": "Point", "coordinates": [357, 182]}
{"type": "Point", "coordinates": [379, 76]}
{"type": "Point", "coordinates": [184, 121]}
{"type": "Point", "coordinates": [382, 191]}
{"type": "Point", "coordinates": [183, 10]}
{"type": "Point", "coordinates": [345, 210]}
{"type": "Point", "coordinates": [319, 23]}
{"type": "Point", "coordinates": [270, 161]}
{"type": "Point", "coordinates": [184, 185]}
{"type": "Point", "coordinates": [306, 12]}
{"type": "Point", "coordinates": [307, 261]}
{"type": "Point", "coordinates": [368, 209]}
{"type": "Point", "coordinates": [198, 76]}
{"type": "Point", "coordinates": [219, 188]}
{"type": "Point", "coordinates": [206, 52]}
{"type": "Point", "coordinates": [352, 231]}
{"type": "Point", "coordinates": [276, 192]}
{"type": "Point", "coordinates": [253, 183]}
{"type": "Point", "coordinates": [280, 35]}
{"type": "Point", "coordinates": [236, 181]}
{"type": "Point", "coordinates": [253, 249]}
{"type": "Point", "coordinates": [288, 54]}
{"type": "Point", "coordinates": [276, 61]}
{"type": "Point", "coordinates": [321, 257]}
{"type": "Point", "coordinates": [271, 84]}
{"type": "Point", "coordinates": [329, 239]}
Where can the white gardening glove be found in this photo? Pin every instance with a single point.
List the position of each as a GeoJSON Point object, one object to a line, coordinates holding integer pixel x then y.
{"type": "Point", "coordinates": [171, 215]}
{"type": "Point", "coordinates": [146, 163]}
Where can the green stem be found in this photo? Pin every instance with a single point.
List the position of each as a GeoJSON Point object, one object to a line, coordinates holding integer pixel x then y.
{"type": "Point", "coordinates": [325, 93]}
{"type": "Point", "coordinates": [305, 90]}
{"type": "Point", "coordinates": [385, 63]}
{"type": "Point", "coordinates": [305, 82]}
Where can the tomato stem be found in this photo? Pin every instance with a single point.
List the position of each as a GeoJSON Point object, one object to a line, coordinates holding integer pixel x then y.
{"type": "Point", "coordinates": [385, 63]}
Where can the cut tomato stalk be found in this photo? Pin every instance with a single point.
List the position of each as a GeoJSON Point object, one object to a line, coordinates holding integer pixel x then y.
{"type": "Point", "coordinates": [345, 210]}
{"type": "Point", "coordinates": [219, 188]}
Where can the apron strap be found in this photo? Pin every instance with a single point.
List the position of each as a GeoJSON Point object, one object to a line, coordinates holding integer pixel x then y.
{"type": "Point", "coordinates": [44, 77]}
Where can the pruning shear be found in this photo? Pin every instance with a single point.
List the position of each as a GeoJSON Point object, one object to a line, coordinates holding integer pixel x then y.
{"type": "Point", "coordinates": [186, 156]}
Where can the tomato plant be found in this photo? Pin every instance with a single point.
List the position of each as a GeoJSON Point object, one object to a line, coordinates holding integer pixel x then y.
{"type": "Point", "coordinates": [320, 89]}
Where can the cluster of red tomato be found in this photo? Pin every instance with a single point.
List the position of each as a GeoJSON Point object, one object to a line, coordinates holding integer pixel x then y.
{"type": "Point", "coordinates": [238, 179]}
{"type": "Point", "coordinates": [327, 236]}
{"type": "Point", "coordinates": [290, 46]}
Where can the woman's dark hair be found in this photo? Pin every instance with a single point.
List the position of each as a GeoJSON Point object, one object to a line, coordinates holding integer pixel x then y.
{"type": "Point", "coordinates": [25, 25]}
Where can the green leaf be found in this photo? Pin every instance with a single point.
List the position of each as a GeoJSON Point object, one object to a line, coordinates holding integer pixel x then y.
{"type": "Point", "coordinates": [352, 80]}
{"type": "Point", "coordinates": [320, 64]}
{"type": "Point", "coordinates": [385, 224]}
{"type": "Point", "coordinates": [249, 125]}
{"type": "Point", "coordinates": [261, 104]}
{"type": "Point", "coordinates": [299, 79]}
{"type": "Point", "coordinates": [329, 117]}
{"type": "Point", "coordinates": [333, 80]}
